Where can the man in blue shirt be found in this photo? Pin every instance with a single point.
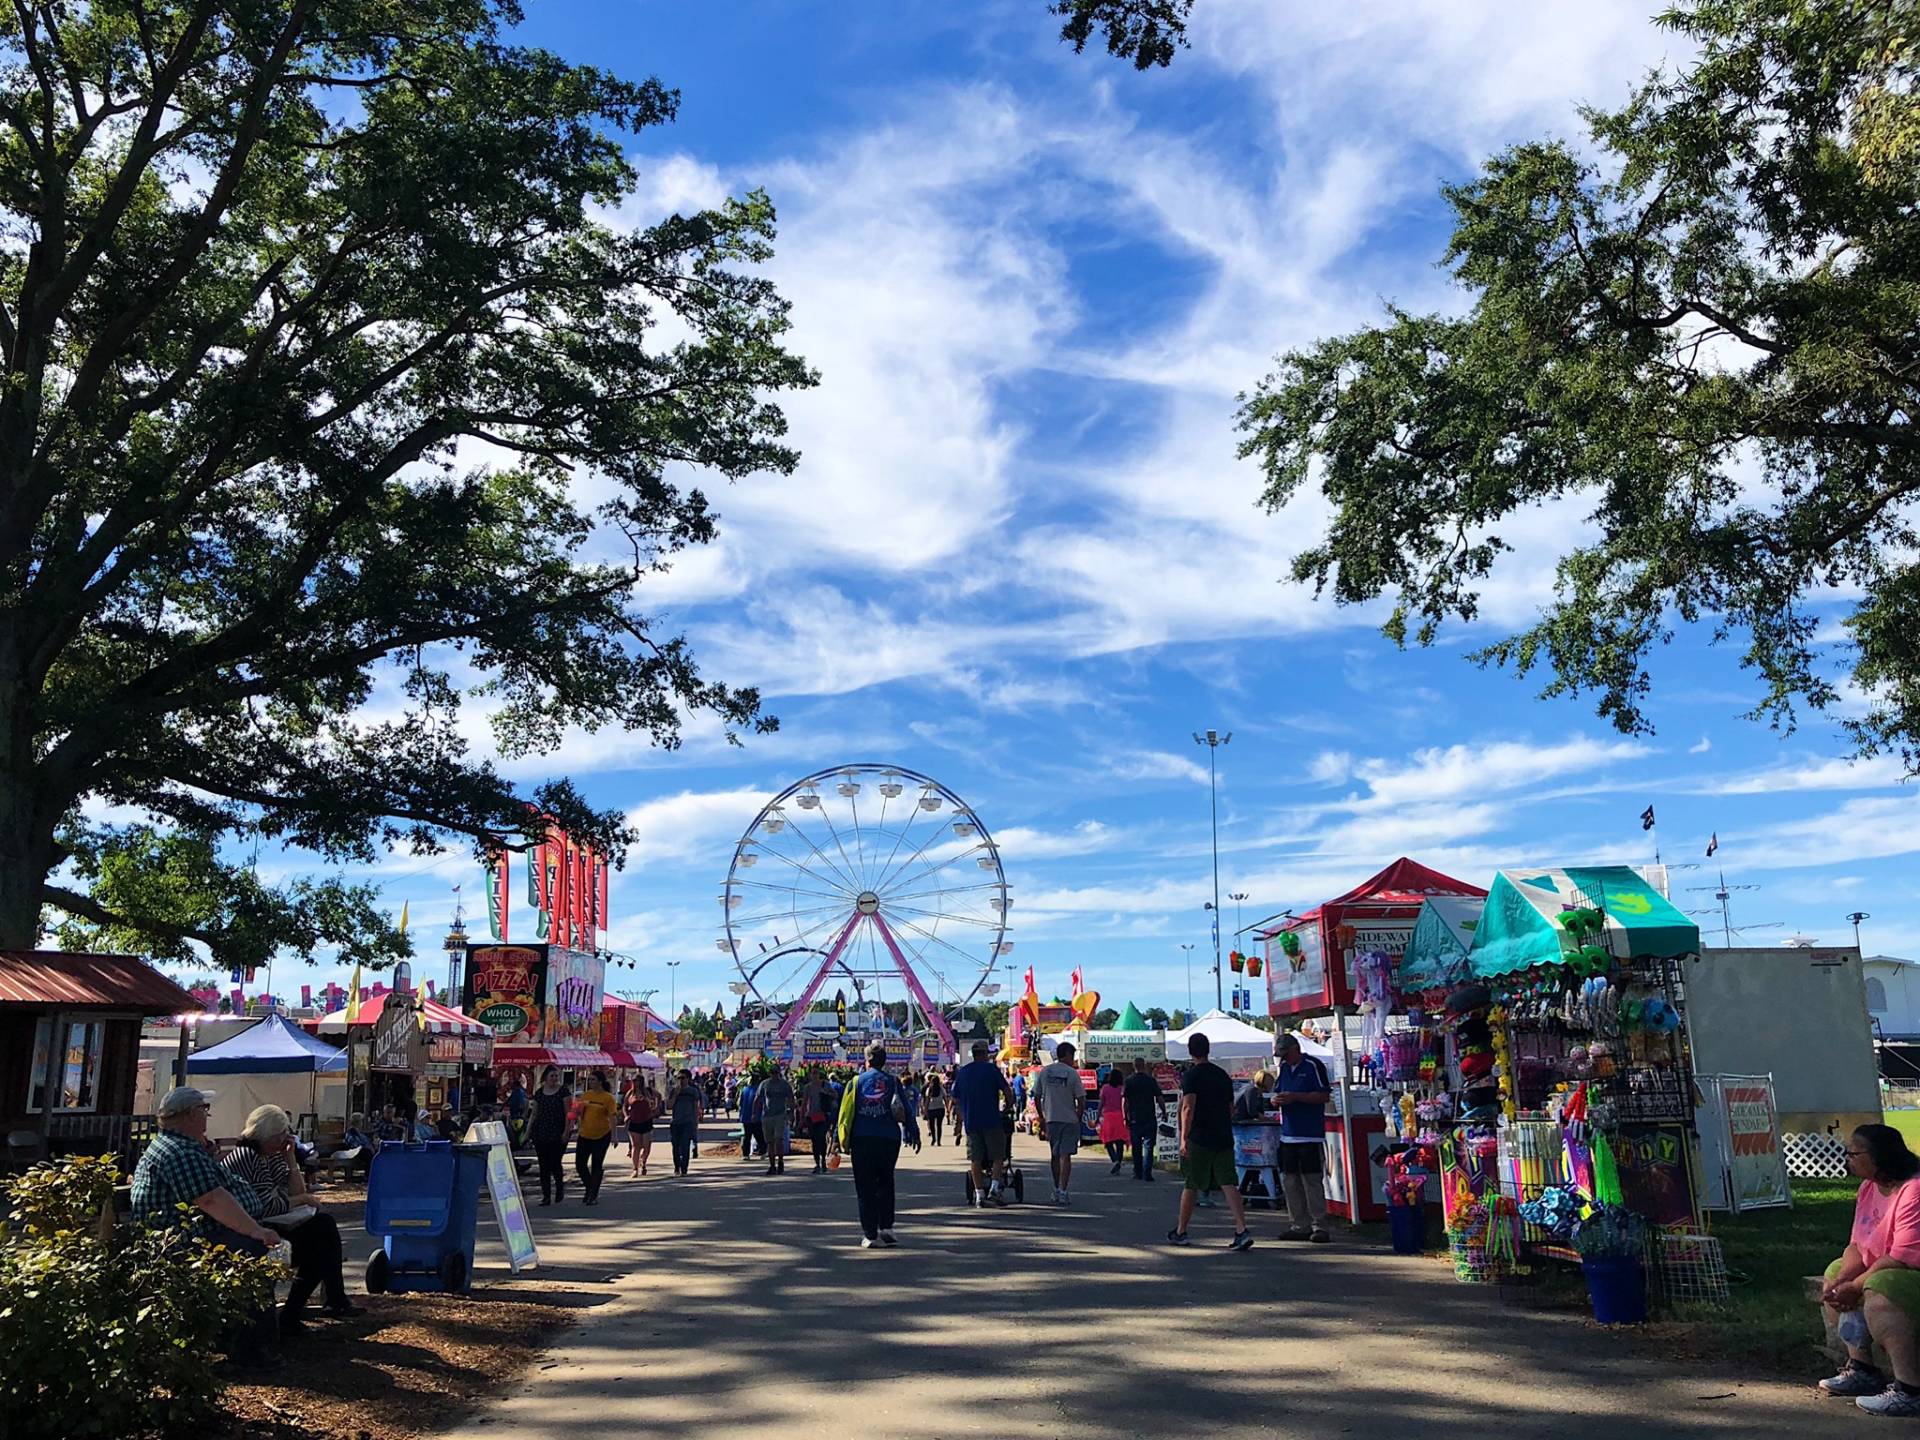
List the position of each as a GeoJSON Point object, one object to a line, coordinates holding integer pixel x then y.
{"type": "Point", "coordinates": [978, 1089]}
{"type": "Point", "coordinates": [749, 1120]}
{"type": "Point", "coordinates": [1303, 1089]}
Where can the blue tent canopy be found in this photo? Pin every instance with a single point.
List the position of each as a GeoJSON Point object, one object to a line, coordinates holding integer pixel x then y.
{"type": "Point", "coordinates": [276, 1046]}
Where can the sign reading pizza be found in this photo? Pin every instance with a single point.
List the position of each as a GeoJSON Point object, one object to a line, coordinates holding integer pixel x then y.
{"type": "Point", "coordinates": [503, 990]}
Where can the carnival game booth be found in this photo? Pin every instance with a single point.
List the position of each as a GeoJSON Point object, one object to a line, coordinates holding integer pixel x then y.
{"type": "Point", "coordinates": [272, 1062]}
{"type": "Point", "coordinates": [1331, 961]}
{"type": "Point", "coordinates": [1574, 1091]}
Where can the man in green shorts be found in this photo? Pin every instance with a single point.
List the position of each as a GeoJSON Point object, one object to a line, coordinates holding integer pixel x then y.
{"type": "Point", "coordinates": [1206, 1143]}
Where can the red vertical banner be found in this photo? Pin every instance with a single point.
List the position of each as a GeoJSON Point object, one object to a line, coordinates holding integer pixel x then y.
{"type": "Point", "coordinates": [581, 908]}
{"type": "Point", "coordinates": [503, 888]}
{"type": "Point", "coordinates": [602, 896]}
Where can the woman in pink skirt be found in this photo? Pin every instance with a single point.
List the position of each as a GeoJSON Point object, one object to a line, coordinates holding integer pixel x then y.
{"type": "Point", "coordinates": [1113, 1118]}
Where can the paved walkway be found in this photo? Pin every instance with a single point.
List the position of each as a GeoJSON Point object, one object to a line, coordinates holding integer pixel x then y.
{"type": "Point", "coordinates": [742, 1302]}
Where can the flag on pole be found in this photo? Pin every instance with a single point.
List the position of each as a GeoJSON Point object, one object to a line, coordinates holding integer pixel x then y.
{"type": "Point", "coordinates": [1079, 981]}
{"type": "Point", "coordinates": [1646, 818]}
{"type": "Point", "coordinates": [603, 894]}
{"type": "Point", "coordinates": [403, 917]}
{"type": "Point", "coordinates": [1030, 989]}
{"type": "Point", "coordinates": [353, 998]}
{"type": "Point", "coordinates": [1713, 843]}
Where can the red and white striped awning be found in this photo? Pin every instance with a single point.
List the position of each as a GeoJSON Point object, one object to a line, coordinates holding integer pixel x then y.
{"type": "Point", "coordinates": [441, 1019]}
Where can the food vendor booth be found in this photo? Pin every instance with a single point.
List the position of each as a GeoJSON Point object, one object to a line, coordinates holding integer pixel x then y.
{"type": "Point", "coordinates": [1329, 962]}
{"type": "Point", "coordinates": [542, 1003]}
{"type": "Point", "coordinates": [401, 1047]}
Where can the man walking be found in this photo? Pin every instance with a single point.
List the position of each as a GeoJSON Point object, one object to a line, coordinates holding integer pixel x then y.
{"type": "Point", "coordinates": [749, 1120]}
{"type": "Point", "coordinates": [981, 1093]}
{"type": "Point", "coordinates": [1206, 1142]}
{"type": "Point", "coordinates": [1062, 1098]}
{"type": "Point", "coordinates": [776, 1116]}
{"type": "Point", "coordinates": [1140, 1097]}
{"type": "Point", "coordinates": [1303, 1089]}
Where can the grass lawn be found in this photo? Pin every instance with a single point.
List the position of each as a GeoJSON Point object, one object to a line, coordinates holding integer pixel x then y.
{"type": "Point", "coordinates": [1768, 1252]}
{"type": "Point", "coordinates": [1907, 1122]}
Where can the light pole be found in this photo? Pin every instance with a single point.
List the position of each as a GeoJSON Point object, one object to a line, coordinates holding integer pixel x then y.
{"type": "Point", "coordinates": [1186, 949]}
{"type": "Point", "coordinates": [1239, 896]}
{"type": "Point", "coordinates": [673, 989]}
{"type": "Point", "coordinates": [1854, 919]}
{"type": "Point", "coordinates": [1213, 740]}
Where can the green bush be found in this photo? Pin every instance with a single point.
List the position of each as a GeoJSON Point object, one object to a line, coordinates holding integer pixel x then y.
{"type": "Point", "coordinates": [107, 1331]}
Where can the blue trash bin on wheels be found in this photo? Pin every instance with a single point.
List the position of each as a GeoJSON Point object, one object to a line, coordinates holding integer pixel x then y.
{"type": "Point", "coordinates": [423, 1200]}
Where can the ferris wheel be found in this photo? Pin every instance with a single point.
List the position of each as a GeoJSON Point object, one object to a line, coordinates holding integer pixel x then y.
{"type": "Point", "coordinates": [871, 876]}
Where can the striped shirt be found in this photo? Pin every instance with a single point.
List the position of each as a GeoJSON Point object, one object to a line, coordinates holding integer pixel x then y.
{"type": "Point", "coordinates": [267, 1174]}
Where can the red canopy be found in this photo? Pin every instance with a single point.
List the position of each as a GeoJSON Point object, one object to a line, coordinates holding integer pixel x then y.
{"type": "Point", "coordinates": [1377, 914]}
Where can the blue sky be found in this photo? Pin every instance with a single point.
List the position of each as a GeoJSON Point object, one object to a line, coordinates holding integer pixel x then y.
{"type": "Point", "coordinates": [1019, 554]}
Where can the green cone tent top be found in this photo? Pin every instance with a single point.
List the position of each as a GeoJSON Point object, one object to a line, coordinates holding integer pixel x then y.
{"type": "Point", "coordinates": [1131, 1019]}
{"type": "Point", "coordinates": [1442, 936]}
{"type": "Point", "coordinates": [1521, 927]}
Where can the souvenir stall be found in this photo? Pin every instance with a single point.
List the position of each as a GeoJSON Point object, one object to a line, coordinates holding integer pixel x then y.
{"type": "Point", "coordinates": [1338, 960]}
{"type": "Point", "coordinates": [1559, 1115]}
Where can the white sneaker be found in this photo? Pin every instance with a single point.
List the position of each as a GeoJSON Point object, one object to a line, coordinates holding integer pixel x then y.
{"type": "Point", "coordinates": [887, 1237]}
{"type": "Point", "coordinates": [867, 1242]}
{"type": "Point", "coordinates": [1892, 1402]}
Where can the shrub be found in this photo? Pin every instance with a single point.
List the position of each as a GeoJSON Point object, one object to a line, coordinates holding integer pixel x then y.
{"type": "Point", "coordinates": [108, 1331]}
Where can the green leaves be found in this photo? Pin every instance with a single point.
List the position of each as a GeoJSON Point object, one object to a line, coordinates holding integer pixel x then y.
{"type": "Point", "coordinates": [1147, 32]}
{"type": "Point", "coordinates": [109, 1333]}
{"type": "Point", "coordinates": [1706, 340]}
{"type": "Point", "coordinates": [315, 333]}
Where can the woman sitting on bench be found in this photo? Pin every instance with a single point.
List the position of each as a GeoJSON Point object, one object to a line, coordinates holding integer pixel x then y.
{"type": "Point", "coordinates": [1873, 1289]}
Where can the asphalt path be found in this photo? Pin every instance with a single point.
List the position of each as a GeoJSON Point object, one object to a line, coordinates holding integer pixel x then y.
{"type": "Point", "coordinates": [735, 1300]}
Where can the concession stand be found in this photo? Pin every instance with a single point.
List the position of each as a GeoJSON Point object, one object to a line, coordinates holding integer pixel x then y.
{"type": "Point", "coordinates": [542, 1003]}
{"type": "Point", "coordinates": [1319, 963]}
{"type": "Point", "coordinates": [404, 1047]}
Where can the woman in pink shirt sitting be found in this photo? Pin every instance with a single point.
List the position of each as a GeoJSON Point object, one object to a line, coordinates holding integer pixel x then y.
{"type": "Point", "coordinates": [1873, 1289]}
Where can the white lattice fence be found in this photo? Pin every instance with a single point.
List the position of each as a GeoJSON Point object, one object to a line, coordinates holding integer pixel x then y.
{"type": "Point", "coordinates": [1815, 1157]}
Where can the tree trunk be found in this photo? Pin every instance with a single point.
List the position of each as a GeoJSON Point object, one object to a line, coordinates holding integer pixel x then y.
{"type": "Point", "coordinates": [26, 828]}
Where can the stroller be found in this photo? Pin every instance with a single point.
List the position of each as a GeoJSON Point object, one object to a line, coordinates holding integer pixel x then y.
{"type": "Point", "coordinates": [1016, 1182]}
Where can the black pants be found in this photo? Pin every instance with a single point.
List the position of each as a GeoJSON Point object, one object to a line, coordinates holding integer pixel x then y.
{"type": "Point", "coordinates": [750, 1136]}
{"type": "Point", "coordinates": [316, 1262]}
{"type": "Point", "coordinates": [256, 1336]}
{"type": "Point", "coordinates": [590, 1159]}
{"type": "Point", "coordinates": [818, 1131]}
{"type": "Point", "coordinates": [934, 1121]}
{"type": "Point", "coordinates": [1116, 1152]}
{"type": "Point", "coordinates": [1143, 1137]}
{"type": "Point", "coordinates": [874, 1160]}
{"type": "Point", "coordinates": [551, 1151]}
{"type": "Point", "coordinates": [682, 1133]}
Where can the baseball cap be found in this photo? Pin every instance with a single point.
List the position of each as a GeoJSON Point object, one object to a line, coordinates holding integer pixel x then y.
{"type": "Point", "coordinates": [183, 1099]}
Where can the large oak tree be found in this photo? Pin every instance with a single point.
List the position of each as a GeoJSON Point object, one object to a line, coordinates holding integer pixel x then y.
{"type": "Point", "coordinates": [1703, 329]}
{"type": "Point", "coordinates": [313, 320]}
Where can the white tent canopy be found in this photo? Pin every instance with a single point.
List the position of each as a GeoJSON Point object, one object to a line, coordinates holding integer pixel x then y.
{"type": "Point", "coordinates": [1229, 1039]}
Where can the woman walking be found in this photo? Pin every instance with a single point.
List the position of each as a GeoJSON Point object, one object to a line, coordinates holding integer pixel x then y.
{"type": "Point", "coordinates": [874, 1118]}
{"type": "Point", "coordinates": [597, 1112]}
{"type": "Point", "coordinates": [685, 1106]}
{"type": "Point", "coordinates": [936, 1106]}
{"type": "Point", "coordinates": [814, 1101]}
{"type": "Point", "coordinates": [1113, 1119]}
{"type": "Point", "coordinates": [639, 1117]}
{"type": "Point", "coordinates": [548, 1127]}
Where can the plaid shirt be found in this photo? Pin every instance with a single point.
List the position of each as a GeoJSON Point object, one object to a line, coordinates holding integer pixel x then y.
{"type": "Point", "coordinates": [177, 1170]}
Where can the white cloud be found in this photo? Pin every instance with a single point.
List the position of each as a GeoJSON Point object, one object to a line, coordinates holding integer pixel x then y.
{"type": "Point", "coordinates": [1862, 829]}
{"type": "Point", "coordinates": [1836, 773]}
{"type": "Point", "coordinates": [1497, 766]}
{"type": "Point", "coordinates": [1330, 767]}
{"type": "Point", "coordinates": [677, 827]}
{"type": "Point", "coordinates": [1154, 765]}
{"type": "Point", "coordinates": [1019, 843]}
{"type": "Point", "coordinates": [1705, 744]}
